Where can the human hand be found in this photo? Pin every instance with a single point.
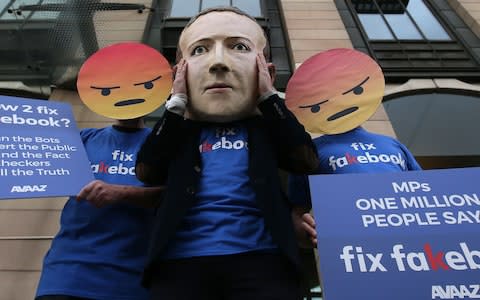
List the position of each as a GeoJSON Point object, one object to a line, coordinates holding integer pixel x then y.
{"type": "Point", "coordinates": [265, 81]}
{"type": "Point", "coordinates": [304, 225]}
{"type": "Point", "coordinates": [100, 193]}
{"type": "Point", "coordinates": [308, 224]}
{"type": "Point", "coordinates": [180, 81]}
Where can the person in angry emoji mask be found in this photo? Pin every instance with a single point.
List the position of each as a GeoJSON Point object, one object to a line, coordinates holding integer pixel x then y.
{"type": "Point", "coordinates": [333, 93]}
{"type": "Point", "coordinates": [99, 251]}
{"type": "Point", "coordinates": [218, 146]}
{"type": "Point", "coordinates": [125, 81]}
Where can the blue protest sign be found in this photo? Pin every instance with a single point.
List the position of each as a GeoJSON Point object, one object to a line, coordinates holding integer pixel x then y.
{"type": "Point", "coordinates": [41, 153]}
{"type": "Point", "coordinates": [406, 235]}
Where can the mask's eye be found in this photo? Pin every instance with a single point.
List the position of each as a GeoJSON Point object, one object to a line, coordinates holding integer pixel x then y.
{"type": "Point", "coordinates": [148, 84]}
{"type": "Point", "coordinates": [198, 50]}
{"type": "Point", "coordinates": [240, 47]}
{"type": "Point", "coordinates": [105, 91]}
{"type": "Point", "coordinates": [358, 89]}
{"type": "Point", "coordinates": [314, 108]}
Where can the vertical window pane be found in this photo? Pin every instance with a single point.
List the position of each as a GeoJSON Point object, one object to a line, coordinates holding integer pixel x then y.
{"type": "Point", "coordinates": [375, 27]}
{"type": "Point", "coordinates": [180, 9]}
{"type": "Point", "coordinates": [212, 3]}
{"type": "Point", "coordinates": [251, 7]}
{"type": "Point", "coordinates": [403, 27]}
{"type": "Point", "coordinates": [429, 25]}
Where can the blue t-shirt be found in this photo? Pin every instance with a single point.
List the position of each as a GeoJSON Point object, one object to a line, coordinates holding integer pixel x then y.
{"type": "Point", "coordinates": [100, 253]}
{"type": "Point", "coordinates": [355, 151]}
{"type": "Point", "coordinates": [225, 219]}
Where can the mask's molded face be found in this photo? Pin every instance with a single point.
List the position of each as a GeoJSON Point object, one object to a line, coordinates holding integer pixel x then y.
{"type": "Point", "coordinates": [335, 91]}
{"type": "Point", "coordinates": [220, 49]}
{"type": "Point", "coordinates": [125, 81]}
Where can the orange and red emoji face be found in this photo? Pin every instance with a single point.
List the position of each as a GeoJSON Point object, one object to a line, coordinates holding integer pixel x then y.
{"type": "Point", "coordinates": [335, 91]}
{"type": "Point", "coordinates": [125, 81]}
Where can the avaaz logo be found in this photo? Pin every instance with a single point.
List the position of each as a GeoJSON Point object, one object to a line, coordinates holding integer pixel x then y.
{"type": "Point", "coordinates": [28, 188]}
{"type": "Point", "coordinates": [462, 291]}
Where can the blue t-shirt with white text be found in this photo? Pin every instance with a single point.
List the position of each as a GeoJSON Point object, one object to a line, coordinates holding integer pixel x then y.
{"type": "Point", "coordinates": [99, 253]}
{"type": "Point", "coordinates": [225, 219]}
{"type": "Point", "coordinates": [355, 151]}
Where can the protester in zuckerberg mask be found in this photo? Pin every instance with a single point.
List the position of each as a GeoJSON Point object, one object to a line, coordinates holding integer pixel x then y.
{"type": "Point", "coordinates": [224, 229]}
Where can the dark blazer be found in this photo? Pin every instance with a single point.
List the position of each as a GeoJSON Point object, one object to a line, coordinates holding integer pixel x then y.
{"type": "Point", "coordinates": [170, 156]}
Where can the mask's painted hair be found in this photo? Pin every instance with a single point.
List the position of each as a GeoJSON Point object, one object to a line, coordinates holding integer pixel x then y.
{"type": "Point", "coordinates": [266, 50]}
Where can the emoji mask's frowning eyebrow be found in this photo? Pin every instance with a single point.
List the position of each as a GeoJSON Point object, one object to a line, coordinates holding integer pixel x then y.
{"type": "Point", "coordinates": [314, 107]}
{"type": "Point", "coordinates": [148, 81]}
{"type": "Point", "coordinates": [357, 86]}
{"type": "Point", "coordinates": [105, 87]}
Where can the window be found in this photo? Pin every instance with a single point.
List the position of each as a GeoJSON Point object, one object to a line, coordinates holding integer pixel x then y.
{"type": "Point", "coordinates": [401, 20]}
{"type": "Point", "coordinates": [24, 53]}
{"type": "Point", "coordinates": [44, 42]}
{"type": "Point", "coordinates": [179, 9]}
{"type": "Point", "coordinates": [13, 10]}
{"type": "Point", "coordinates": [440, 128]}
{"type": "Point", "coordinates": [413, 38]}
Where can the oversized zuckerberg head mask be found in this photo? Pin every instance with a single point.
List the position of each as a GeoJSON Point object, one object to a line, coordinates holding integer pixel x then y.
{"type": "Point", "coordinates": [125, 81]}
{"type": "Point", "coordinates": [220, 49]}
{"type": "Point", "coordinates": [335, 91]}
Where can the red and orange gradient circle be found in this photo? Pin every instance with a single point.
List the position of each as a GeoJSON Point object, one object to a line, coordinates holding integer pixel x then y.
{"type": "Point", "coordinates": [335, 91]}
{"type": "Point", "coordinates": [125, 81]}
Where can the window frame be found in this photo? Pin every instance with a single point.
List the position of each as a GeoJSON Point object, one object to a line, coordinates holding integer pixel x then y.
{"type": "Point", "coordinates": [405, 59]}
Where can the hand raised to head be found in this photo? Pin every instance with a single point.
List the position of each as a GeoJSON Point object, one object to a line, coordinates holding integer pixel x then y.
{"type": "Point", "coordinates": [265, 81]}
{"type": "Point", "coordinates": [180, 81]}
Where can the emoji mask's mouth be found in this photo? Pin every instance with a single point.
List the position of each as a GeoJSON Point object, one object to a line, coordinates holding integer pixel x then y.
{"type": "Point", "coordinates": [342, 113]}
{"type": "Point", "coordinates": [129, 102]}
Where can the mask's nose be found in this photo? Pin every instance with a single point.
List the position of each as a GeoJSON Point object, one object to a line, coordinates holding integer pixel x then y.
{"type": "Point", "coordinates": [219, 63]}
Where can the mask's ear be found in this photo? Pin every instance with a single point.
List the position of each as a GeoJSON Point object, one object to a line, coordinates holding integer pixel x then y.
{"type": "Point", "coordinates": [272, 71]}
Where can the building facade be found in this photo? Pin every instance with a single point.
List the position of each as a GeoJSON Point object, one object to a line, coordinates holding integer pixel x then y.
{"type": "Point", "coordinates": [429, 51]}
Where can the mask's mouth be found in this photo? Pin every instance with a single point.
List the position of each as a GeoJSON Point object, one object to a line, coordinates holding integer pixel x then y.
{"type": "Point", "coordinates": [129, 102]}
{"type": "Point", "coordinates": [342, 113]}
{"type": "Point", "coordinates": [218, 86]}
